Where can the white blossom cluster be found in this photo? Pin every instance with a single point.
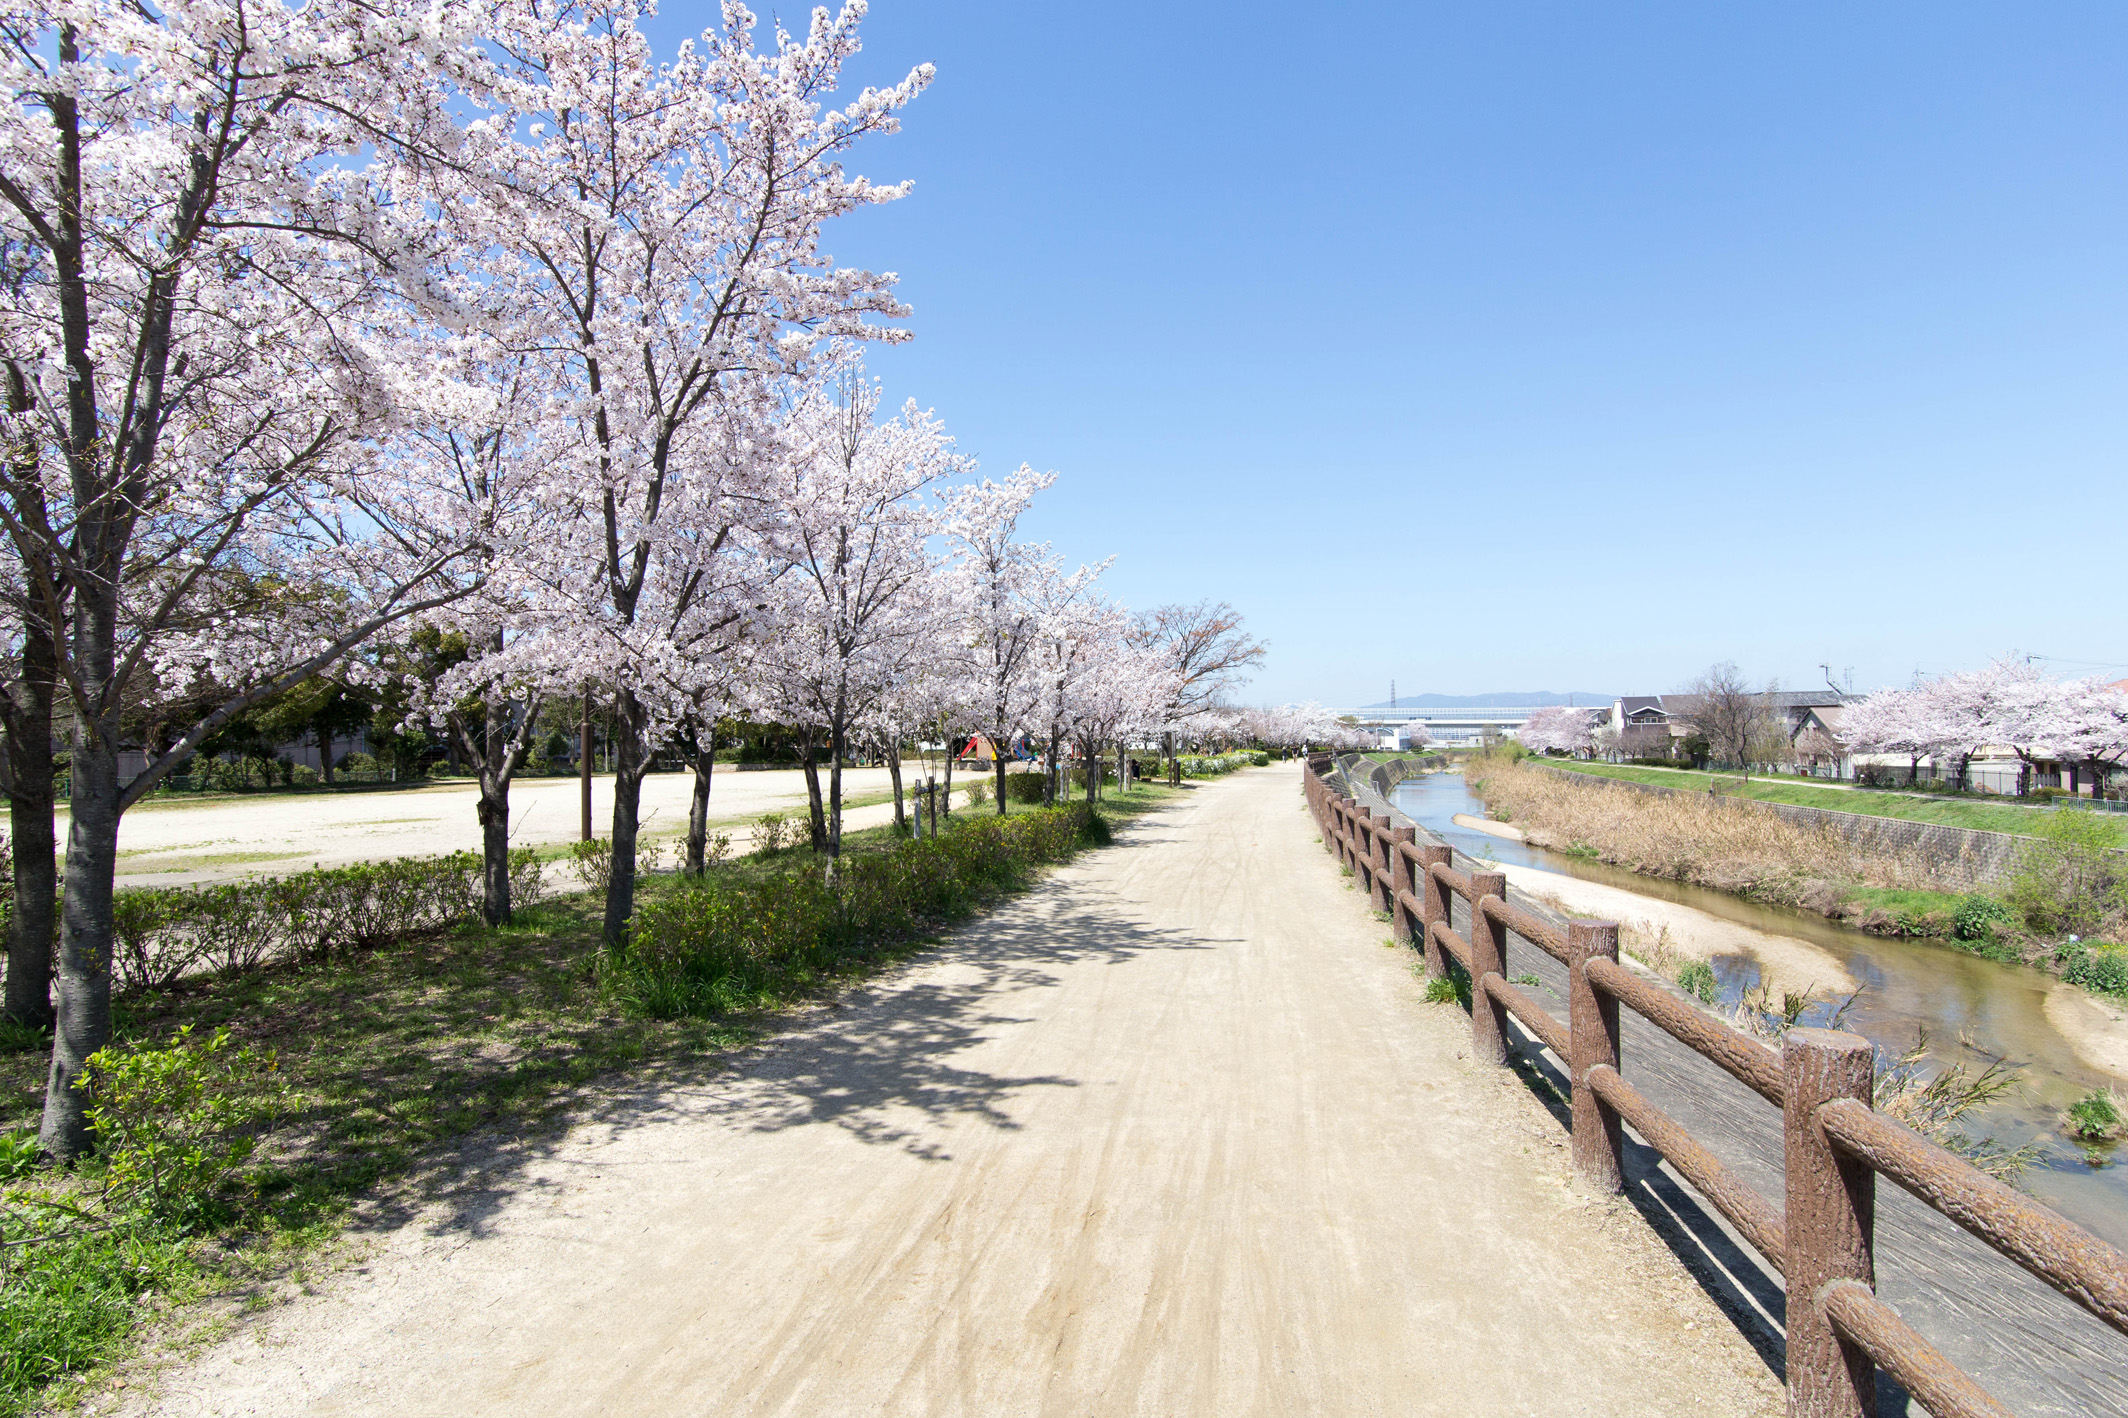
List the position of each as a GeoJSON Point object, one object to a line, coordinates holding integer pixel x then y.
{"type": "Point", "coordinates": [2009, 704]}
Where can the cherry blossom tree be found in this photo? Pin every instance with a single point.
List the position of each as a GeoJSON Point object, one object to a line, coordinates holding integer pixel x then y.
{"type": "Point", "coordinates": [999, 582]}
{"type": "Point", "coordinates": [670, 220]}
{"type": "Point", "coordinates": [1558, 728]}
{"type": "Point", "coordinates": [1211, 652]}
{"type": "Point", "coordinates": [850, 603]}
{"type": "Point", "coordinates": [193, 246]}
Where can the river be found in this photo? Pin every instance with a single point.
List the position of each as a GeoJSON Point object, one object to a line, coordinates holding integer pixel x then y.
{"type": "Point", "coordinates": [1974, 1010]}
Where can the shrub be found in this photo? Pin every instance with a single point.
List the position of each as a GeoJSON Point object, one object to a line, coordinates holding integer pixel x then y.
{"type": "Point", "coordinates": [1261, 760]}
{"type": "Point", "coordinates": [302, 775]}
{"type": "Point", "coordinates": [978, 793]}
{"type": "Point", "coordinates": [1979, 917]}
{"type": "Point", "coordinates": [593, 861]}
{"type": "Point", "coordinates": [174, 1124]}
{"type": "Point", "coordinates": [1025, 787]}
{"type": "Point", "coordinates": [715, 944]}
{"type": "Point", "coordinates": [2102, 969]}
{"type": "Point", "coordinates": [2068, 877]}
{"type": "Point", "coordinates": [163, 933]}
{"type": "Point", "coordinates": [772, 833]}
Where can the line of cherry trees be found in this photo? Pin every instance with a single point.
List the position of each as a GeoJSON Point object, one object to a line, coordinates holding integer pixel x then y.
{"type": "Point", "coordinates": [2009, 703]}
{"type": "Point", "coordinates": [331, 334]}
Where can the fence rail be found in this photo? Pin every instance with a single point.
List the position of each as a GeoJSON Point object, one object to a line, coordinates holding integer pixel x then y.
{"type": "Point", "coordinates": [1819, 1238]}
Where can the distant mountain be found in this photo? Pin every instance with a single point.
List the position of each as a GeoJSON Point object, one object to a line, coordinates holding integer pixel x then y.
{"type": "Point", "coordinates": [1535, 699]}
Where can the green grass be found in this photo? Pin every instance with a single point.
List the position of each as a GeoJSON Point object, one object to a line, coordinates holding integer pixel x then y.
{"type": "Point", "coordinates": [394, 1053]}
{"type": "Point", "coordinates": [1917, 902]}
{"type": "Point", "coordinates": [1980, 816]}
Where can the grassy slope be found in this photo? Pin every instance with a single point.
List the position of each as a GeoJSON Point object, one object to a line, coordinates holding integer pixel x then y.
{"type": "Point", "coordinates": [1947, 812]}
{"type": "Point", "coordinates": [395, 1053]}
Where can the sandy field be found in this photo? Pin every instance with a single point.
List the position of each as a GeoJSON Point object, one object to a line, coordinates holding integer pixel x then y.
{"type": "Point", "coordinates": [171, 843]}
{"type": "Point", "coordinates": [1792, 963]}
{"type": "Point", "coordinates": [1172, 1134]}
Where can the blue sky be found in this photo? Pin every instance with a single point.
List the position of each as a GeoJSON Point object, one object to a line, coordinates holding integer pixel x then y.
{"type": "Point", "coordinates": [1486, 347]}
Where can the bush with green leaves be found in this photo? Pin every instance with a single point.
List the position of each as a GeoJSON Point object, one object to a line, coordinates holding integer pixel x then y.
{"type": "Point", "coordinates": [2101, 968]}
{"type": "Point", "coordinates": [175, 1124]}
{"type": "Point", "coordinates": [2070, 875]}
{"type": "Point", "coordinates": [716, 944]}
{"type": "Point", "coordinates": [772, 833]}
{"type": "Point", "coordinates": [593, 861]}
{"type": "Point", "coordinates": [1025, 787]}
{"type": "Point", "coordinates": [162, 933]}
{"type": "Point", "coordinates": [1980, 918]}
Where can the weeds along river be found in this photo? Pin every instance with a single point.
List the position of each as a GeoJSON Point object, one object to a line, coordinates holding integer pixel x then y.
{"type": "Point", "coordinates": [1975, 1011]}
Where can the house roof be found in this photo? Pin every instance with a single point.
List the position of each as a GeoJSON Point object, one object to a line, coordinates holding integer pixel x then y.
{"type": "Point", "coordinates": [1675, 704]}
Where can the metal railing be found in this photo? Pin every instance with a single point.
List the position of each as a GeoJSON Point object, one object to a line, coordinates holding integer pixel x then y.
{"type": "Point", "coordinates": [1820, 1238]}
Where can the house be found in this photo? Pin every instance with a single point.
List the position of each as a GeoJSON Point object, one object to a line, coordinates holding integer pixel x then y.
{"type": "Point", "coordinates": [1656, 725]}
{"type": "Point", "coordinates": [1644, 726]}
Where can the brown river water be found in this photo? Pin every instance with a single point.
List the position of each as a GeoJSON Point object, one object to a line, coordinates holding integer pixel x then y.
{"type": "Point", "coordinates": [1974, 1010]}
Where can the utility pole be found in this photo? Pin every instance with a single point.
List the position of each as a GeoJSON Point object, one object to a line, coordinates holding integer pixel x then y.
{"type": "Point", "coordinates": [583, 762]}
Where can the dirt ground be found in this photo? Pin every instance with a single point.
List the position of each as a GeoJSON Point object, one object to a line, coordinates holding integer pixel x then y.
{"type": "Point", "coordinates": [1172, 1134]}
{"type": "Point", "coordinates": [166, 843]}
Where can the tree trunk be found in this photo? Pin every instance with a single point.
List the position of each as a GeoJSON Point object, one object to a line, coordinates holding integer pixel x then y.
{"type": "Point", "coordinates": [997, 759]}
{"type": "Point", "coordinates": [837, 742]}
{"type": "Point", "coordinates": [628, 765]}
{"type": "Point", "coordinates": [29, 762]}
{"type": "Point", "coordinates": [583, 764]}
{"type": "Point", "coordinates": [816, 811]}
{"type": "Point", "coordinates": [84, 1013]}
{"type": "Point", "coordinates": [945, 801]}
{"type": "Point", "coordinates": [325, 755]}
{"type": "Point", "coordinates": [493, 811]}
{"type": "Point", "coordinates": [901, 824]}
{"type": "Point", "coordinates": [705, 766]}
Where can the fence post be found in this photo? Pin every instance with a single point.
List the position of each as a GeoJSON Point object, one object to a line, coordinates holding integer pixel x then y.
{"type": "Point", "coordinates": [1488, 956]}
{"type": "Point", "coordinates": [1378, 859]}
{"type": "Point", "coordinates": [1434, 899]}
{"type": "Point", "coordinates": [1592, 1038]}
{"type": "Point", "coordinates": [1831, 1217]}
{"type": "Point", "coordinates": [1399, 884]}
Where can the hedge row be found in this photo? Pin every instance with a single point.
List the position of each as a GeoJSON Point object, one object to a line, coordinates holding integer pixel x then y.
{"type": "Point", "coordinates": [714, 945]}
{"type": "Point", "coordinates": [1212, 766]}
{"type": "Point", "coordinates": [165, 932]}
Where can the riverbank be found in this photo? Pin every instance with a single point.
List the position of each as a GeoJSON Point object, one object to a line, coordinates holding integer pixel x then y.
{"type": "Point", "coordinates": [1651, 930]}
{"type": "Point", "coordinates": [1937, 810]}
{"type": "Point", "coordinates": [1764, 858]}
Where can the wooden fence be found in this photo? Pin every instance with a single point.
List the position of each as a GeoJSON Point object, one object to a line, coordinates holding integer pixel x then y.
{"type": "Point", "coordinates": [1819, 1240]}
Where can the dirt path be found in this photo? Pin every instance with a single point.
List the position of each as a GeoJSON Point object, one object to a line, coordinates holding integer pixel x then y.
{"type": "Point", "coordinates": [1172, 1134]}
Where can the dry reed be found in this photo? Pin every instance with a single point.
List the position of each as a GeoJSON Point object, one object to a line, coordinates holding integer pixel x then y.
{"type": "Point", "coordinates": [1729, 844]}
